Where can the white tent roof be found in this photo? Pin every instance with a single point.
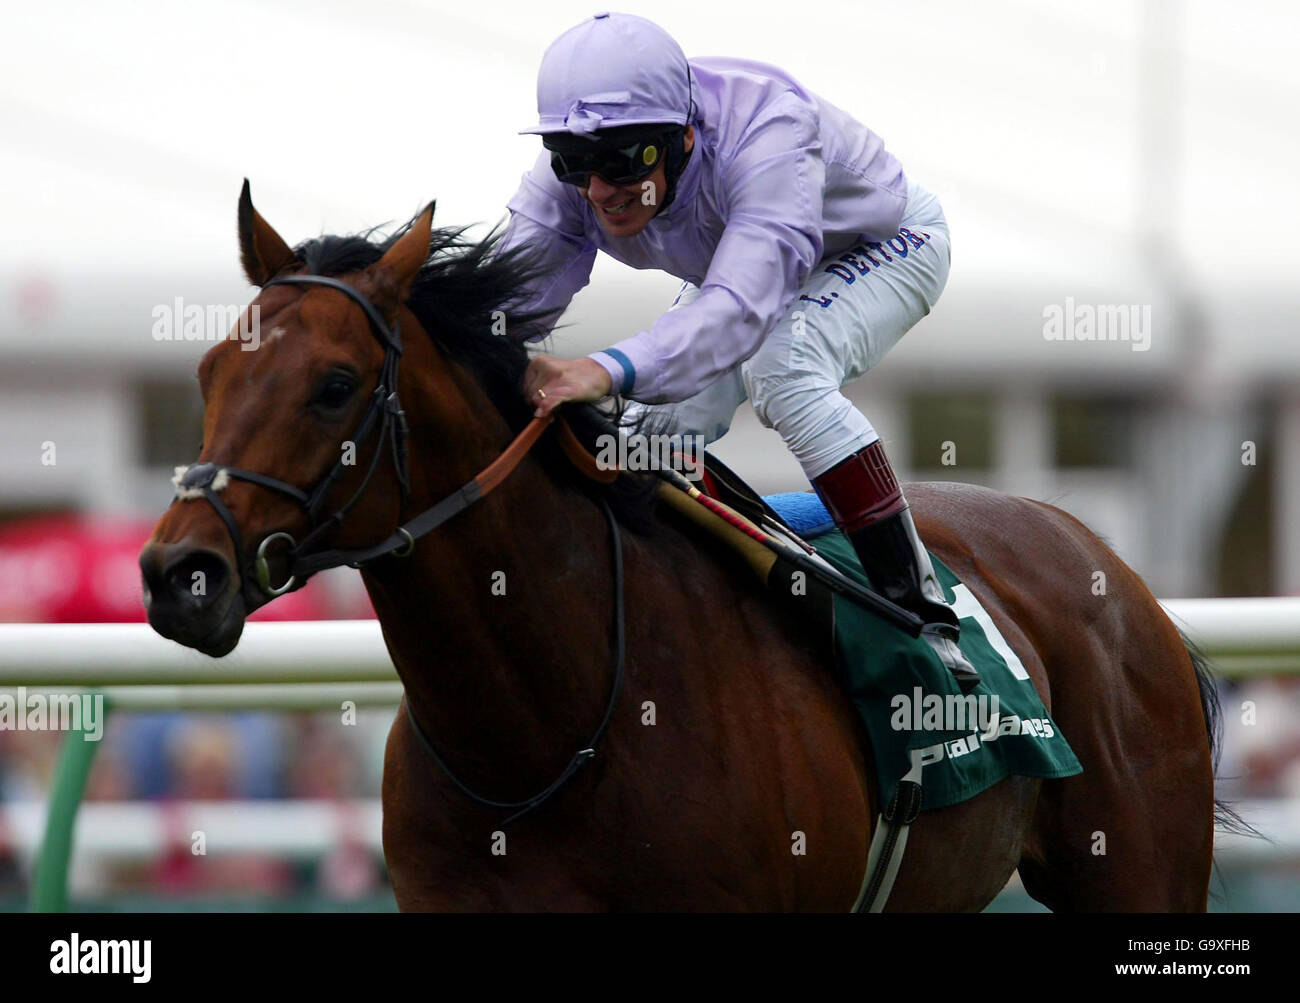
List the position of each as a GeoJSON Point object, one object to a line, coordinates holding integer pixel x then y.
{"type": "Point", "coordinates": [129, 126]}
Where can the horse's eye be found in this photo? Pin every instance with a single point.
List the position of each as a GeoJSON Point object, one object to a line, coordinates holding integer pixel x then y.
{"type": "Point", "coordinates": [334, 392]}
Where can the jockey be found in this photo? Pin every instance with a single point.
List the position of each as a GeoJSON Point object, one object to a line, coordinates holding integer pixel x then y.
{"type": "Point", "coordinates": [805, 251]}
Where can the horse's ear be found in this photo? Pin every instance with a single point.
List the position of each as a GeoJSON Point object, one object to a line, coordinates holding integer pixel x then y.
{"type": "Point", "coordinates": [397, 269]}
{"type": "Point", "coordinates": [262, 251]}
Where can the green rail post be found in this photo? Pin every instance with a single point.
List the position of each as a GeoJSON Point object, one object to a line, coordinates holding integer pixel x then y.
{"type": "Point", "coordinates": [50, 882]}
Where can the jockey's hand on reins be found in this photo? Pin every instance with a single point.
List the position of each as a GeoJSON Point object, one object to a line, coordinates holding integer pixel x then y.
{"type": "Point", "coordinates": [550, 382]}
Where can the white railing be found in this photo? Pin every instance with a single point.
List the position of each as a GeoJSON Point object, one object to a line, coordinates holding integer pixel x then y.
{"type": "Point", "coordinates": [1242, 636]}
{"type": "Point", "coordinates": [131, 654]}
{"type": "Point", "coordinates": [145, 829]}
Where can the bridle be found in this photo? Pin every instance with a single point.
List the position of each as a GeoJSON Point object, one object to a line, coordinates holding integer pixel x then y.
{"type": "Point", "coordinates": [385, 414]}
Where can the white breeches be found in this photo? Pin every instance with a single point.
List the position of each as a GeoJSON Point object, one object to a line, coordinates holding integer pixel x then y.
{"type": "Point", "coordinates": [854, 308]}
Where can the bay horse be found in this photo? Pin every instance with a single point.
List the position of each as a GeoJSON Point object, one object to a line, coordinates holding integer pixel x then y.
{"type": "Point", "coordinates": [729, 737]}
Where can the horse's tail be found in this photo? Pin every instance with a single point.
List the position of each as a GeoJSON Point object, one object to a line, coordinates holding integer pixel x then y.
{"type": "Point", "coordinates": [1226, 816]}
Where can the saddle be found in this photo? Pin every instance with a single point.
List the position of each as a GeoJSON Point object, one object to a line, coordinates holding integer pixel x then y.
{"type": "Point", "coordinates": [805, 596]}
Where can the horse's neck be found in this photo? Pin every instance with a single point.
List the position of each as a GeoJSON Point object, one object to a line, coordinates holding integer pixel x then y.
{"type": "Point", "coordinates": [500, 625]}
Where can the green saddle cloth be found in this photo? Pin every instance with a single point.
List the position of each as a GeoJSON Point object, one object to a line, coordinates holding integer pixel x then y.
{"type": "Point", "coordinates": [910, 702]}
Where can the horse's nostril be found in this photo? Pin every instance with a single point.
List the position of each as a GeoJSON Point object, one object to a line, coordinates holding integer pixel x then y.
{"type": "Point", "coordinates": [199, 577]}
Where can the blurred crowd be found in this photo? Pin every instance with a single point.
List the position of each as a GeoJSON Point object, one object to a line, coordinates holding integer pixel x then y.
{"type": "Point", "coordinates": [171, 758]}
{"type": "Point", "coordinates": [1261, 739]}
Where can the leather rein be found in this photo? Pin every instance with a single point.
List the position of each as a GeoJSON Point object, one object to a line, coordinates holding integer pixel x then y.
{"type": "Point", "coordinates": [384, 414]}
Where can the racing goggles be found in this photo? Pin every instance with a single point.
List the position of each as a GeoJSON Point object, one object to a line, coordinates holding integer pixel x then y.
{"type": "Point", "coordinates": [621, 157]}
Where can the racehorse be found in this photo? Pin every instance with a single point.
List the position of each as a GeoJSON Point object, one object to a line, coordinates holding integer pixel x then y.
{"type": "Point", "coordinates": [521, 775]}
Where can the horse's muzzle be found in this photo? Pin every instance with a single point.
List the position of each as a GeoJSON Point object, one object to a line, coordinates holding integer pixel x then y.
{"type": "Point", "coordinates": [192, 596]}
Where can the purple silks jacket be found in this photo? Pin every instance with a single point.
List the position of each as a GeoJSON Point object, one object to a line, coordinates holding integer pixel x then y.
{"type": "Point", "coordinates": [778, 179]}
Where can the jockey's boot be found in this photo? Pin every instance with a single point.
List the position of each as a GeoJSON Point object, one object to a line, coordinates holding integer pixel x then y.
{"type": "Point", "coordinates": [866, 502]}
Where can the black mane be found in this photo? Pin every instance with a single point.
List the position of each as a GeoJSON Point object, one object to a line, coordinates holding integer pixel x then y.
{"type": "Point", "coordinates": [463, 293]}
